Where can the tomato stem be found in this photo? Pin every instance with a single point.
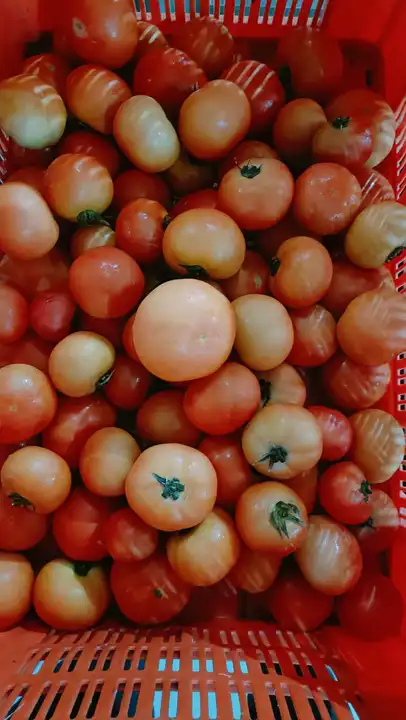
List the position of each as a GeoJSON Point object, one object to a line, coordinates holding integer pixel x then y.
{"type": "Point", "coordinates": [20, 501]}
{"type": "Point", "coordinates": [82, 568]}
{"type": "Point", "coordinates": [365, 490]}
{"type": "Point", "coordinates": [266, 391]}
{"type": "Point", "coordinates": [172, 487]}
{"type": "Point", "coordinates": [395, 253]}
{"type": "Point", "coordinates": [283, 513]}
{"type": "Point", "coordinates": [87, 218]}
{"type": "Point", "coordinates": [165, 222]}
{"type": "Point", "coordinates": [274, 265]}
{"type": "Point", "coordinates": [341, 122]}
{"type": "Point", "coordinates": [368, 523]}
{"type": "Point", "coordinates": [159, 593]}
{"type": "Point", "coordinates": [249, 170]}
{"type": "Point", "coordinates": [194, 271]}
{"type": "Point", "coordinates": [275, 454]}
{"type": "Point", "coordinates": [104, 379]}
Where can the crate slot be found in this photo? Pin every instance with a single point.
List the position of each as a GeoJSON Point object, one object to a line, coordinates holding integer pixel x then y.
{"type": "Point", "coordinates": [157, 701]}
{"type": "Point", "coordinates": [209, 665]}
{"type": "Point", "coordinates": [229, 662]}
{"type": "Point", "coordinates": [173, 701]}
{"type": "Point", "coordinates": [242, 662]}
{"type": "Point", "coordinates": [40, 663]}
{"type": "Point", "coordinates": [176, 661]}
{"type": "Point", "coordinates": [275, 662]}
{"type": "Point", "coordinates": [108, 659]}
{"type": "Point", "coordinates": [314, 708]}
{"type": "Point", "coordinates": [235, 638]}
{"type": "Point", "coordinates": [38, 705]}
{"type": "Point", "coordinates": [91, 712]}
{"type": "Point", "coordinates": [129, 659]}
{"type": "Point", "coordinates": [235, 702]}
{"type": "Point", "coordinates": [78, 702]}
{"type": "Point", "coordinates": [353, 711]}
{"type": "Point", "coordinates": [275, 707]}
{"type": "Point", "coordinates": [117, 702]}
{"type": "Point", "coordinates": [75, 660]}
{"type": "Point", "coordinates": [55, 702]}
{"type": "Point", "coordinates": [195, 660]}
{"type": "Point", "coordinates": [196, 705]}
{"type": "Point", "coordinates": [143, 659]}
{"type": "Point", "coordinates": [212, 701]}
{"type": "Point", "coordinates": [132, 705]}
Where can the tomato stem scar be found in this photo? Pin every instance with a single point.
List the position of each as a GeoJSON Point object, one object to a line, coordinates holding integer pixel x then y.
{"type": "Point", "coordinates": [283, 513]}
{"type": "Point", "coordinates": [276, 453]}
{"type": "Point", "coordinates": [341, 122]}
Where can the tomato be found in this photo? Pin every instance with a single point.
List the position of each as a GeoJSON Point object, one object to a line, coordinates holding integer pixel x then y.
{"type": "Point", "coordinates": [201, 199]}
{"type": "Point", "coordinates": [264, 336]}
{"type": "Point", "coordinates": [270, 517]}
{"type": "Point", "coordinates": [283, 384]}
{"type": "Point", "coordinates": [282, 441]}
{"type": "Point", "coordinates": [162, 419]}
{"type": "Point", "coordinates": [194, 323]}
{"type": "Point", "coordinates": [251, 278]}
{"type": "Point", "coordinates": [106, 282]}
{"type": "Point", "coordinates": [36, 478]}
{"type": "Point", "coordinates": [305, 486]}
{"type": "Point", "coordinates": [214, 119]}
{"type": "Point", "coordinates": [148, 591]}
{"type": "Point", "coordinates": [106, 459]}
{"type": "Point", "coordinates": [186, 176]}
{"type": "Point", "coordinates": [223, 402]}
{"type": "Point", "coordinates": [234, 475]}
{"type": "Point", "coordinates": [128, 339]}
{"type": "Point", "coordinates": [97, 146]}
{"type": "Point", "coordinates": [22, 157]}
{"type": "Point", "coordinates": [145, 135]}
{"type": "Point", "coordinates": [110, 328]}
{"type": "Point", "coordinates": [314, 336]}
{"type": "Point", "coordinates": [49, 67]}
{"type": "Point", "coordinates": [370, 108]}
{"type": "Point", "coordinates": [27, 402]}
{"type": "Point", "coordinates": [127, 537]}
{"type": "Point", "coordinates": [75, 183]}
{"type": "Point", "coordinates": [134, 184]}
{"type": "Point", "coordinates": [336, 430]}
{"type": "Point", "coordinates": [263, 90]}
{"type": "Point", "coordinates": [129, 384]}
{"type": "Point", "coordinates": [87, 238]}
{"type": "Point", "coordinates": [255, 571]}
{"type": "Point", "coordinates": [376, 235]}
{"type": "Point", "coordinates": [20, 529]}
{"type": "Point", "coordinates": [208, 42]}
{"type": "Point", "coordinates": [301, 272]}
{"type": "Point", "coordinates": [94, 94]}
{"type": "Point", "coordinates": [294, 129]}
{"type": "Point", "coordinates": [150, 38]}
{"type": "Point", "coordinates": [372, 330]}
{"type": "Point", "coordinates": [71, 596]}
{"type": "Point", "coordinates": [77, 525]}
{"type": "Point", "coordinates": [382, 527]}
{"type": "Point", "coordinates": [13, 314]}
{"type": "Point", "coordinates": [349, 281]}
{"type": "Point", "coordinates": [32, 176]}
{"type": "Point", "coordinates": [172, 472]}
{"type": "Point", "coordinates": [256, 194]}
{"type": "Point", "coordinates": [140, 229]}
{"type": "Point", "coordinates": [373, 609]}
{"type": "Point", "coordinates": [75, 421]}
{"type": "Point", "coordinates": [218, 601]}
{"type": "Point", "coordinates": [353, 386]}
{"type": "Point", "coordinates": [245, 151]}
{"type": "Point", "coordinates": [344, 493]}
{"type": "Point", "coordinates": [101, 31]}
{"type": "Point", "coordinates": [28, 230]}
{"type": "Point", "coordinates": [330, 557]}
{"type": "Point", "coordinates": [31, 112]}
{"type": "Point", "coordinates": [314, 61]}
{"type": "Point", "coordinates": [378, 445]}
{"type": "Point", "coordinates": [29, 350]}
{"type": "Point", "coordinates": [51, 314]}
{"type": "Point", "coordinates": [45, 273]}
{"type": "Point", "coordinates": [295, 604]}
{"type": "Point", "coordinates": [270, 240]}
{"type": "Point", "coordinates": [16, 583]}
{"type": "Point", "coordinates": [375, 187]}
{"type": "Point", "coordinates": [81, 363]}
{"type": "Point", "coordinates": [344, 140]}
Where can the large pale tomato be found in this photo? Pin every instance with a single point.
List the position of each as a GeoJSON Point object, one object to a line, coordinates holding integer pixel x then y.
{"type": "Point", "coordinates": [94, 94]}
{"type": "Point", "coordinates": [28, 231]}
{"type": "Point", "coordinates": [378, 444]}
{"type": "Point", "coordinates": [81, 363]}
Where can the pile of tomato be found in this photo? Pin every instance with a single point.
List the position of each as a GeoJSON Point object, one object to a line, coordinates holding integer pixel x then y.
{"type": "Point", "coordinates": [196, 331]}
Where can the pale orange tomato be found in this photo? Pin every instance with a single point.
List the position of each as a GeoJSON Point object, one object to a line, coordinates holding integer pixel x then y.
{"type": "Point", "coordinates": [16, 584]}
{"type": "Point", "coordinates": [353, 386]}
{"type": "Point", "coordinates": [106, 459]}
{"type": "Point", "coordinates": [28, 230]}
{"type": "Point", "coordinates": [378, 444]}
{"type": "Point", "coordinates": [162, 419]}
{"type": "Point", "coordinates": [75, 183]}
{"type": "Point", "coordinates": [94, 94]}
{"type": "Point", "coordinates": [376, 235]}
{"type": "Point", "coordinates": [283, 385]}
{"type": "Point", "coordinates": [36, 478]}
{"type": "Point", "coordinates": [295, 126]}
{"type": "Point", "coordinates": [264, 335]}
{"type": "Point", "coordinates": [255, 571]}
{"type": "Point", "coordinates": [80, 363]}
{"type": "Point", "coordinates": [300, 272]}
{"type": "Point", "coordinates": [349, 281]}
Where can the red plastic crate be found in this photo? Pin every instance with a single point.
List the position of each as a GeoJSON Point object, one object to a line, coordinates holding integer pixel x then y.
{"type": "Point", "coordinates": [227, 670]}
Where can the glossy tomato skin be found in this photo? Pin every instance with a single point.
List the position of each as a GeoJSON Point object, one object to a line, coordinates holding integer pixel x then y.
{"type": "Point", "coordinates": [106, 459]}
{"type": "Point", "coordinates": [77, 525]}
{"type": "Point", "coordinates": [13, 314]}
{"type": "Point", "coordinates": [102, 32]}
{"type": "Point", "coordinates": [27, 402]}
{"type": "Point", "coordinates": [150, 38]}
{"type": "Point", "coordinates": [20, 528]}
{"type": "Point", "coordinates": [28, 230]}
{"type": "Point", "coordinates": [344, 493]}
{"type": "Point", "coordinates": [79, 362]}
{"type": "Point", "coordinates": [264, 335]}
{"type": "Point", "coordinates": [129, 384]}
{"type": "Point", "coordinates": [381, 530]}
{"type": "Point", "coordinates": [263, 89]}
{"type": "Point", "coordinates": [88, 143]}
{"type": "Point", "coordinates": [29, 350]}
{"type": "Point", "coordinates": [94, 95]}
{"type": "Point", "coordinates": [296, 605]}
{"type": "Point", "coordinates": [140, 229]}
{"type": "Point", "coordinates": [234, 474]}
{"type": "Point", "coordinates": [51, 68]}
{"type": "Point", "coordinates": [148, 591]}
{"type": "Point", "coordinates": [378, 444]}
{"type": "Point", "coordinates": [74, 183]}
{"type": "Point", "coordinates": [349, 281]}
{"type": "Point", "coordinates": [346, 141]}
{"type": "Point", "coordinates": [169, 76]}
{"type": "Point", "coordinates": [127, 537]}
{"type": "Point", "coordinates": [51, 314]}
{"type": "Point", "coordinates": [16, 583]}
{"type": "Point", "coordinates": [187, 176]}
{"type": "Point", "coordinates": [376, 235]}
{"type": "Point", "coordinates": [353, 386]}
{"type": "Point", "coordinates": [201, 199]}
{"type": "Point", "coordinates": [252, 278]}
{"type": "Point", "coordinates": [246, 150]}
{"type": "Point", "coordinates": [162, 419]}
{"type": "Point", "coordinates": [336, 430]}
{"type": "Point", "coordinates": [373, 609]}
{"type": "Point", "coordinates": [305, 486]}
{"type": "Point", "coordinates": [294, 129]}
{"type": "Point", "coordinates": [375, 187]}
{"type": "Point", "coordinates": [32, 176]}
{"type": "Point", "coordinates": [208, 42]}
{"type": "Point", "coordinates": [299, 289]}
{"type": "Point", "coordinates": [47, 272]}
{"type": "Point", "coordinates": [109, 328]}
{"type": "Point", "coordinates": [283, 384]}
{"type": "Point", "coordinates": [133, 184]}
{"type": "Point", "coordinates": [254, 571]}
{"type": "Point", "coordinates": [87, 238]}
{"type": "Point", "coordinates": [314, 336]}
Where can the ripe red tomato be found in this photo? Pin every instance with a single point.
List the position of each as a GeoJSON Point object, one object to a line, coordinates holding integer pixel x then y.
{"type": "Point", "coordinates": [378, 444]}
{"type": "Point", "coordinates": [129, 384]}
{"type": "Point", "coordinates": [106, 459]}
{"type": "Point", "coordinates": [162, 419]}
{"type": "Point", "coordinates": [102, 32]}
{"type": "Point", "coordinates": [45, 273]}
{"type": "Point", "coordinates": [127, 537]}
{"type": "Point", "coordinates": [314, 336]}
{"type": "Point", "coordinates": [264, 334]}
{"type": "Point", "coordinates": [169, 76]}
{"type": "Point", "coordinates": [140, 229]}
{"type": "Point", "coordinates": [21, 157]}
{"type": "Point", "coordinates": [106, 282]}
{"type": "Point", "coordinates": [300, 289]}
{"type": "Point", "coordinates": [208, 42]}
{"type": "Point", "coordinates": [214, 119]}
{"type": "Point", "coordinates": [373, 609]}
{"type": "Point", "coordinates": [305, 485]}
{"type": "Point", "coordinates": [27, 402]}
{"type": "Point", "coordinates": [234, 475]}
{"type": "Point", "coordinates": [20, 528]}
{"type": "Point", "coordinates": [148, 591]}
{"type": "Point", "coordinates": [16, 583]}
{"type": "Point", "coordinates": [75, 183]}
{"type": "Point", "coordinates": [71, 596]}
{"type": "Point", "coordinates": [201, 199]}
{"type": "Point", "coordinates": [283, 385]}
{"type": "Point", "coordinates": [97, 146]}
{"type": "Point", "coordinates": [28, 231]}
{"type": "Point", "coordinates": [244, 151]}
{"type": "Point", "coordinates": [173, 472]}
{"type": "Point", "coordinates": [128, 339]}
{"type": "Point", "coordinates": [76, 419]}
{"type": "Point", "coordinates": [29, 350]}
{"type": "Point", "coordinates": [251, 279]}
{"type": "Point", "coordinates": [296, 605]}
{"type": "Point", "coordinates": [109, 328]}
{"type": "Point", "coordinates": [349, 281]}
{"type": "Point", "coordinates": [134, 184]}
{"type": "Point", "coordinates": [51, 314]}
{"type": "Point", "coordinates": [256, 194]}
{"type": "Point", "coordinates": [49, 67]}
{"type": "Point", "coordinates": [150, 38]}
{"type": "Point", "coordinates": [219, 601]}
{"type": "Point", "coordinates": [346, 141]}
{"type": "Point", "coordinates": [77, 525]}
{"type": "Point", "coordinates": [330, 557]}
{"type": "Point", "coordinates": [336, 430]}
{"type": "Point", "coordinates": [295, 126]}
{"type": "Point", "coordinates": [223, 402]}
{"type": "Point", "coordinates": [13, 314]}
{"type": "Point", "coordinates": [382, 527]}
{"type": "Point", "coordinates": [188, 176]}
{"type": "Point", "coordinates": [254, 571]}
{"type": "Point", "coordinates": [263, 89]}
{"type": "Point", "coordinates": [344, 493]}
{"type": "Point", "coordinates": [32, 176]}
{"type": "Point", "coordinates": [353, 386]}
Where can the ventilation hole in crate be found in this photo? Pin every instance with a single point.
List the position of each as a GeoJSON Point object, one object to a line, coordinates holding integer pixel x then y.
{"type": "Point", "coordinates": [173, 701]}
{"type": "Point", "coordinates": [275, 707]}
{"type": "Point", "coordinates": [292, 710]}
{"type": "Point", "coordinates": [369, 77]}
{"type": "Point", "coordinates": [75, 660]}
{"type": "Point", "coordinates": [162, 660]}
{"type": "Point", "coordinates": [402, 407]}
{"type": "Point", "coordinates": [401, 289]}
{"type": "Point", "coordinates": [176, 661]}
{"type": "Point", "coordinates": [252, 708]}
{"type": "Point", "coordinates": [293, 639]}
{"type": "Point", "coordinates": [275, 661]}
{"type": "Point", "coordinates": [54, 704]}
{"type": "Point", "coordinates": [196, 706]}
{"type": "Point", "coordinates": [132, 705]}
{"type": "Point", "coordinates": [242, 662]}
{"type": "Point", "coordinates": [401, 396]}
{"type": "Point", "coordinates": [38, 705]}
{"type": "Point", "coordinates": [78, 702]}
{"type": "Point", "coordinates": [209, 660]}
{"type": "Point", "coordinates": [16, 704]}
{"type": "Point", "coordinates": [309, 666]}
{"type": "Point", "coordinates": [117, 702]}
{"type": "Point", "coordinates": [402, 381]}
{"type": "Point", "coordinates": [229, 662]}
{"type": "Point", "coordinates": [129, 659]}
{"type": "Point", "coordinates": [107, 662]}
{"type": "Point", "coordinates": [264, 638]}
{"type": "Point", "coordinates": [330, 710]}
{"type": "Point", "coordinates": [195, 660]}
{"type": "Point", "coordinates": [206, 635]}
{"type": "Point", "coordinates": [298, 669]}
{"type": "Point", "coordinates": [91, 712]}
{"type": "Point", "coordinates": [143, 659]}
{"type": "Point", "coordinates": [212, 701]}
{"type": "Point", "coordinates": [39, 664]}
{"type": "Point", "coordinates": [402, 356]}
{"type": "Point", "coordinates": [353, 711]}
{"type": "Point", "coordinates": [332, 672]}
{"type": "Point", "coordinates": [315, 710]}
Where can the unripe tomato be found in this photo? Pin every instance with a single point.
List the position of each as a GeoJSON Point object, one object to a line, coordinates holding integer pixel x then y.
{"type": "Point", "coordinates": [81, 363]}
{"type": "Point", "coordinates": [27, 229]}
{"type": "Point", "coordinates": [376, 235]}
{"type": "Point", "coordinates": [94, 95]}
{"type": "Point", "coordinates": [75, 183]}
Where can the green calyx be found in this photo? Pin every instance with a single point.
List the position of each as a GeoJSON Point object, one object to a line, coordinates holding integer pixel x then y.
{"type": "Point", "coordinates": [275, 454]}
{"type": "Point", "coordinates": [20, 501]}
{"type": "Point", "coordinates": [395, 253]}
{"type": "Point", "coordinates": [274, 265]}
{"type": "Point", "coordinates": [82, 568]}
{"type": "Point", "coordinates": [194, 271]}
{"type": "Point", "coordinates": [341, 122]}
{"type": "Point", "coordinates": [283, 513]}
{"type": "Point", "coordinates": [104, 379]}
{"type": "Point", "coordinates": [365, 490]}
{"type": "Point", "coordinates": [172, 487]}
{"type": "Point", "coordinates": [88, 218]}
{"type": "Point", "coordinates": [249, 170]}
{"type": "Point", "coordinates": [159, 593]}
{"type": "Point", "coordinates": [266, 391]}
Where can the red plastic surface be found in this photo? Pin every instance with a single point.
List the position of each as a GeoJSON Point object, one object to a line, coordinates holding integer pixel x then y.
{"type": "Point", "coordinates": [241, 670]}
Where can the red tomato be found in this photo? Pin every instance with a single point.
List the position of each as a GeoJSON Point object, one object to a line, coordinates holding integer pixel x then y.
{"type": "Point", "coordinates": [169, 76]}
{"type": "Point", "coordinates": [134, 184]}
{"type": "Point", "coordinates": [172, 472]}
{"type": "Point", "coordinates": [106, 459]}
{"type": "Point", "coordinates": [300, 289]}
{"type": "Point", "coordinates": [295, 126]}
{"type": "Point", "coordinates": [102, 32]}
{"type": "Point", "coordinates": [219, 601]}
{"type": "Point", "coordinates": [77, 525]}
{"type": "Point", "coordinates": [109, 328]}
{"type": "Point", "coordinates": [223, 402]}
{"type": "Point", "coordinates": [208, 42]}
{"type": "Point", "coordinates": [330, 557]}
{"type": "Point", "coordinates": [353, 386]}
{"type": "Point", "coordinates": [94, 95]}
{"type": "Point", "coordinates": [214, 119]}
{"type": "Point", "coordinates": [27, 402]}
{"type": "Point", "coordinates": [21, 157]}
{"type": "Point", "coordinates": [75, 183]}
{"type": "Point", "coordinates": [373, 609]}
{"type": "Point", "coordinates": [305, 486]}
{"type": "Point", "coordinates": [97, 146]}
{"type": "Point", "coordinates": [162, 419]}
{"type": "Point", "coordinates": [148, 591]}
{"type": "Point", "coordinates": [245, 151]}
{"type": "Point", "coordinates": [344, 493]}
{"type": "Point", "coordinates": [51, 314]}
{"type": "Point", "coordinates": [75, 421]}
{"type": "Point", "coordinates": [254, 571]}
{"type": "Point", "coordinates": [20, 528]}
{"type": "Point", "coordinates": [45, 273]}
{"type": "Point", "coordinates": [234, 475]}
{"type": "Point", "coordinates": [375, 187]}
{"type": "Point", "coordinates": [29, 350]}
{"type": "Point", "coordinates": [378, 444]}
{"type": "Point", "coordinates": [263, 89]}
{"type": "Point", "coordinates": [270, 240]}
{"type": "Point", "coordinates": [128, 385]}
{"type": "Point", "coordinates": [178, 315]}
{"type": "Point", "coordinates": [150, 38]}
{"type": "Point", "coordinates": [87, 238]}
{"type": "Point", "coordinates": [270, 517]}
{"type": "Point", "coordinates": [32, 176]}
{"type": "Point", "coordinates": [314, 336]}
{"type": "Point", "coordinates": [382, 527]}
{"type": "Point", "coordinates": [251, 279]}
{"type": "Point", "coordinates": [140, 229]}
{"type": "Point", "coordinates": [257, 194]}
{"type": "Point", "coordinates": [200, 199]}
{"type": "Point", "coordinates": [264, 335]}
{"type": "Point", "coordinates": [13, 314]}
{"type": "Point", "coordinates": [336, 430]}
{"type": "Point", "coordinates": [128, 339]}
{"type": "Point", "coordinates": [314, 61]}
{"type": "Point", "coordinates": [187, 176]}
{"type": "Point", "coordinates": [349, 281]}
{"type": "Point", "coordinates": [283, 384]}
{"type": "Point", "coordinates": [345, 141]}
{"type": "Point", "coordinates": [28, 231]}
{"type": "Point", "coordinates": [52, 69]}
{"type": "Point", "coordinates": [106, 282]}
{"type": "Point", "coordinates": [16, 583]}
{"type": "Point", "coordinates": [71, 596]}
{"type": "Point", "coordinates": [296, 605]}
{"type": "Point", "coordinates": [127, 537]}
